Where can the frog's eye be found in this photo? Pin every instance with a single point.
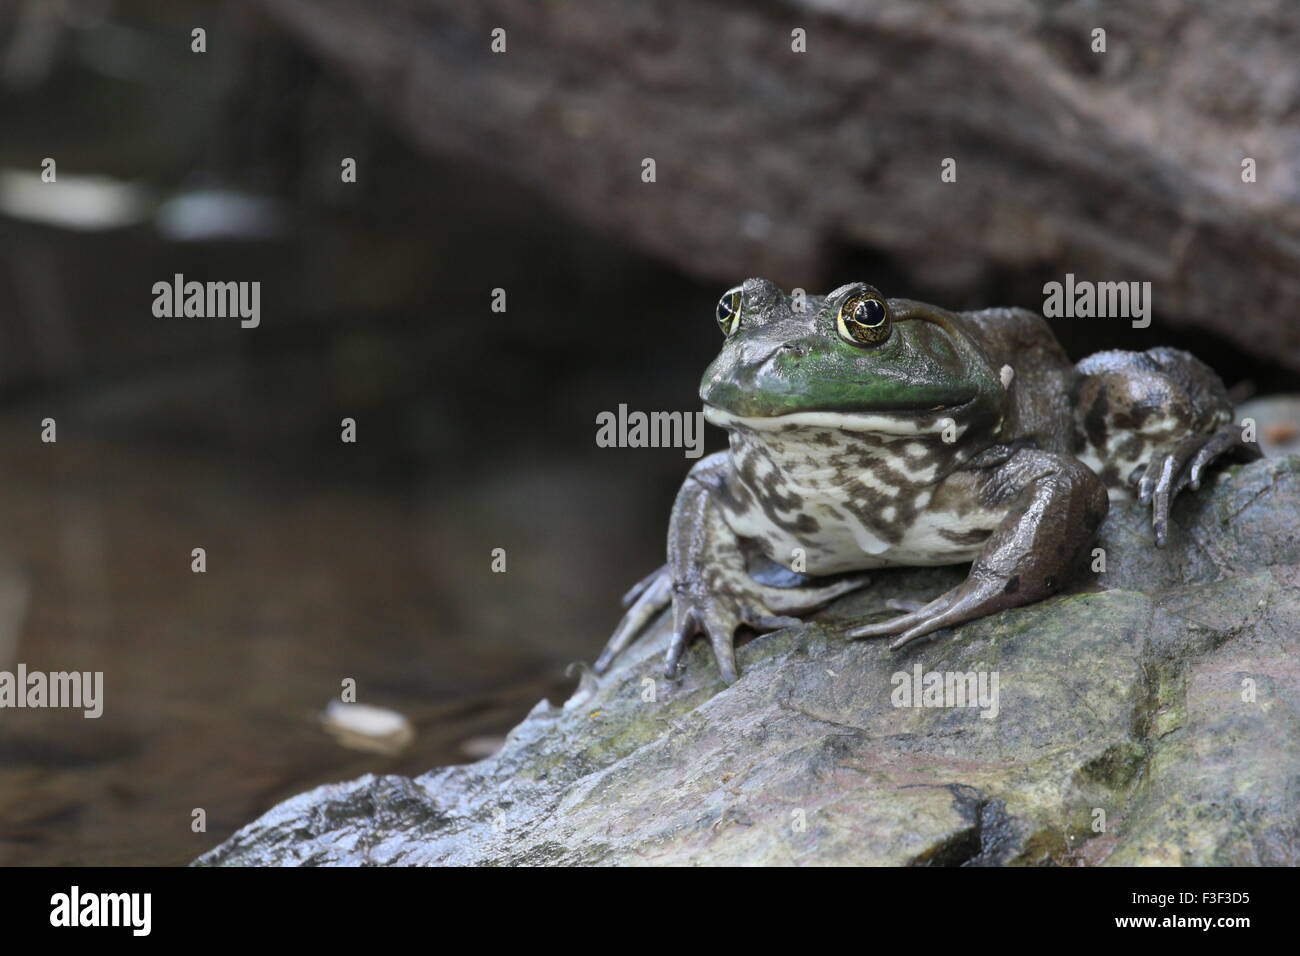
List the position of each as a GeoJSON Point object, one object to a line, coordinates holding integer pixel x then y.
{"type": "Point", "coordinates": [729, 310]}
{"type": "Point", "coordinates": [863, 320]}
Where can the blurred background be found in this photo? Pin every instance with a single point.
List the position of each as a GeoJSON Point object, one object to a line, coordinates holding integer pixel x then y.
{"type": "Point", "coordinates": [518, 170]}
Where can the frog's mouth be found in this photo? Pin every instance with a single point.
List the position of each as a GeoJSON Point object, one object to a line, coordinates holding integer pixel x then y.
{"type": "Point", "coordinates": [900, 420]}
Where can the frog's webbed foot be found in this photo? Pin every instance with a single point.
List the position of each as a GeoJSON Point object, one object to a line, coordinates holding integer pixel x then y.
{"type": "Point", "coordinates": [717, 609]}
{"type": "Point", "coordinates": [971, 599]}
{"type": "Point", "coordinates": [1057, 506]}
{"type": "Point", "coordinates": [898, 604]}
{"type": "Point", "coordinates": [1170, 472]}
{"type": "Point", "coordinates": [644, 601]}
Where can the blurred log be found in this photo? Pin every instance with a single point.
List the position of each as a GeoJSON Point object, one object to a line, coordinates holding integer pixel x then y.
{"type": "Point", "coordinates": [1123, 165]}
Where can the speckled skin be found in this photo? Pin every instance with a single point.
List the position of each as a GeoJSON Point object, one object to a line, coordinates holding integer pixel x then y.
{"type": "Point", "coordinates": [955, 437]}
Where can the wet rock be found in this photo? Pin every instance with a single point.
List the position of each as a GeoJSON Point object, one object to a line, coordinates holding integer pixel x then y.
{"type": "Point", "coordinates": [1148, 716]}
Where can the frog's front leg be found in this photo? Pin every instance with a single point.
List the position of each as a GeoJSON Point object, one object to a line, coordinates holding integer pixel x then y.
{"type": "Point", "coordinates": [1054, 505]}
{"type": "Point", "coordinates": [707, 581]}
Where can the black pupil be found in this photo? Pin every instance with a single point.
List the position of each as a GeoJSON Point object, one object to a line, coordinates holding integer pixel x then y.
{"type": "Point", "coordinates": [725, 311]}
{"type": "Point", "coordinates": [869, 312]}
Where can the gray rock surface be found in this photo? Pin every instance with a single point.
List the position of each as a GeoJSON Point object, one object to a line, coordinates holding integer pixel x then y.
{"type": "Point", "coordinates": [1148, 716]}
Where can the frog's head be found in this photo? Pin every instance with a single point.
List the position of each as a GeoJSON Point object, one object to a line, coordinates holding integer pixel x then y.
{"type": "Point", "coordinates": [850, 360]}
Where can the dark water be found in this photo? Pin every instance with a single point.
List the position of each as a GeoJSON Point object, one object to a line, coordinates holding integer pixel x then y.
{"type": "Point", "coordinates": [213, 682]}
{"type": "Point", "coordinates": [326, 561]}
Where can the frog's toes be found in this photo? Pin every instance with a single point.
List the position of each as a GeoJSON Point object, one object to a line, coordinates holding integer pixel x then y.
{"type": "Point", "coordinates": [720, 614]}
{"type": "Point", "coordinates": [774, 622]}
{"type": "Point", "coordinates": [895, 625]}
{"type": "Point", "coordinates": [1228, 440]}
{"type": "Point", "coordinates": [913, 613]}
{"type": "Point", "coordinates": [801, 600]}
{"type": "Point", "coordinates": [635, 591]}
{"type": "Point", "coordinates": [903, 604]}
{"type": "Point", "coordinates": [722, 640]}
{"type": "Point", "coordinates": [1168, 473]}
{"type": "Point", "coordinates": [718, 620]}
{"type": "Point", "coordinates": [969, 600]}
{"type": "Point", "coordinates": [647, 599]}
{"type": "Point", "coordinates": [1161, 481]}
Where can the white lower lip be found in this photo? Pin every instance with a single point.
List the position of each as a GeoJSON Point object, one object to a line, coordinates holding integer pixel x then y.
{"type": "Point", "coordinates": [839, 421]}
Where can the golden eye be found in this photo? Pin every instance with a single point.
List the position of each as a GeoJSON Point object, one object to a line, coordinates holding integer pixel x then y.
{"type": "Point", "coordinates": [729, 311]}
{"type": "Point", "coordinates": [863, 320]}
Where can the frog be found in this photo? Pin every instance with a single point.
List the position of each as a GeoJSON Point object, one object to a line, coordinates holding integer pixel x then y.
{"type": "Point", "coordinates": [867, 432]}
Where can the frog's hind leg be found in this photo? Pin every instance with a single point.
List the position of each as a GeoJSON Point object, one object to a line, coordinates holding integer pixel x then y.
{"type": "Point", "coordinates": [1149, 423]}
